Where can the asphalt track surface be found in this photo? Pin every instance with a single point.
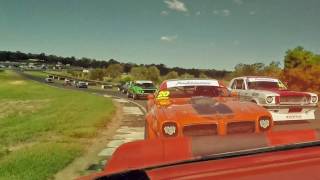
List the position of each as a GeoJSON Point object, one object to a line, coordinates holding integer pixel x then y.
{"type": "Point", "coordinates": [281, 126]}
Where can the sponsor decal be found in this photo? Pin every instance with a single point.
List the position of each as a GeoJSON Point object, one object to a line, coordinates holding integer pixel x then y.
{"type": "Point", "coordinates": [192, 83]}
{"type": "Point", "coordinates": [255, 94]}
{"type": "Point", "coordinates": [281, 85]}
{"type": "Point", "coordinates": [294, 117]}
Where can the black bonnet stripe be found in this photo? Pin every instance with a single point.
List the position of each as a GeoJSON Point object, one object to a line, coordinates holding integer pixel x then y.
{"type": "Point", "coordinates": [206, 106]}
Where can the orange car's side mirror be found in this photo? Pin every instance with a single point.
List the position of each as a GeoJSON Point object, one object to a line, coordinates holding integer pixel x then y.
{"type": "Point", "coordinates": [150, 97]}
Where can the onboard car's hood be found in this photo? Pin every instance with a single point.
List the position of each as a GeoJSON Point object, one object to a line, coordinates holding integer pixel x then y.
{"type": "Point", "coordinates": [157, 153]}
{"type": "Point", "coordinates": [205, 106]}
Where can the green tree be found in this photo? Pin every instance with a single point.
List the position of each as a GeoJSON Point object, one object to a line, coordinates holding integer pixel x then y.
{"type": "Point", "coordinates": [96, 74]}
{"type": "Point", "coordinates": [248, 69]}
{"type": "Point", "coordinates": [172, 75]}
{"type": "Point", "coordinates": [297, 57]}
{"type": "Point", "coordinates": [187, 76]}
{"type": "Point", "coordinates": [114, 70]}
{"type": "Point", "coordinates": [139, 73]}
{"type": "Point", "coordinates": [203, 76]}
{"type": "Point", "coordinates": [153, 74]}
{"type": "Point", "coordinates": [273, 69]}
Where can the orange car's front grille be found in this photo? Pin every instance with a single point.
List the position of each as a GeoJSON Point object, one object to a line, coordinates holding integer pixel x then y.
{"type": "Point", "coordinates": [240, 127]}
{"type": "Point", "coordinates": [200, 130]}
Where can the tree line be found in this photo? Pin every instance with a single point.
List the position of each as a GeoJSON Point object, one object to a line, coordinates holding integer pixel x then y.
{"type": "Point", "coordinates": [99, 64]}
{"type": "Point", "coordinates": [300, 70]}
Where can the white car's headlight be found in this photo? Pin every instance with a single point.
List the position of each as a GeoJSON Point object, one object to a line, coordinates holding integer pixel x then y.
{"type": "Point", "coordinates": [269, 99]}
{"type": "Point", "coordinates": [170, 129]}
{"type": "Point", "coordinates": [314, 99]}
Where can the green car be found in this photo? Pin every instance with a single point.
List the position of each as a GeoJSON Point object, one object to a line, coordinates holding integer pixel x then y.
{"type": "Point", "coordinates": [141, 89]}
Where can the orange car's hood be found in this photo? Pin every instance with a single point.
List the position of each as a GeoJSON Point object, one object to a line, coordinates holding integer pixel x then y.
{"type": "Point", "coordinates": [203, 107]}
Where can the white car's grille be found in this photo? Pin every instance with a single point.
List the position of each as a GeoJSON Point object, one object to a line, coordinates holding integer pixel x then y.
{"type": "Point", "coordinates": [294, 100]}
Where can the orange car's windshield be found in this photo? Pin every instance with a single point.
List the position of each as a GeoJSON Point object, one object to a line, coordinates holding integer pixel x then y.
{"type": "Point", "coordinates": [191, 91]}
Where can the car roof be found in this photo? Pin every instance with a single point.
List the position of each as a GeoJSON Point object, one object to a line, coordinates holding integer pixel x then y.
{"type": "Point", "coordinates": [189, 82]}
{"type": "Point", "coordinates": [256, 77]}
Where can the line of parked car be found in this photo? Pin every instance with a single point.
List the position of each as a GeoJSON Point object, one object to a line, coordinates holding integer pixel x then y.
{"type": "Point", "coordinates": [68, 82]}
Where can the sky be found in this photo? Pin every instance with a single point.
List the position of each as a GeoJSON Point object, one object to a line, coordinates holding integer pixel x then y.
{"type": "Point", "coordinates": [209, 34]}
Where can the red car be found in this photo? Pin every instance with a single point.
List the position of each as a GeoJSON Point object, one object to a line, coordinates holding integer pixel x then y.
{"type": "Point", "coordinates": [285, 155]}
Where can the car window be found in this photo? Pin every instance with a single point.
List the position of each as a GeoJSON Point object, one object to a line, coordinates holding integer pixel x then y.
{"type": "Point", "coordinates": [240, 84]}
{"type": "Point", "coordinates": [233, 86]}
{"type": "Point", "coordinates": [191, 91]}
{"type": "Point", "coordinates": [145, 85]}
{"type": "Point", "coordinates": [266, 85]}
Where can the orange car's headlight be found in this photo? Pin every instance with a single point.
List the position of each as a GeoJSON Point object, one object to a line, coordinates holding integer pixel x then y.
{"type": "Point", "coordinates": [169, 129]}
{"type": "Point", "coordinates": [265, 123]}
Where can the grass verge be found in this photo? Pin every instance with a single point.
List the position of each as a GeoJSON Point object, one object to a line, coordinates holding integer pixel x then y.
{"type": "Point", "coordinates": [42, 128]}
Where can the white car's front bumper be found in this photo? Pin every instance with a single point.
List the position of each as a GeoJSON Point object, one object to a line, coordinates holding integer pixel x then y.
{"type": "Point", "coordinates": [278, 116]}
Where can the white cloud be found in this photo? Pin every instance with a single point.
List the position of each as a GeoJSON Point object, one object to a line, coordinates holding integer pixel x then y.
{"type": "Point", "coordinates": [198, 13]}
{"type": "Point", "coordinates": [226, 12]}
{"type": "Point", "coordinates": [238, 2]}
{"type": "Point", "coordinates": [252, 13]}
{"type": "Point", "coordinates": [176, 5]}
{"type": "Point", "coordinates": [168, 38]}
{"type": "Point", "coordinates": [164, 13]}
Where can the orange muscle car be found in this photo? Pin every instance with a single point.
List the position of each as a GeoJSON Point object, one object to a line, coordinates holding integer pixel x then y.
{"type": "Point", "coordinates": [201, 107]}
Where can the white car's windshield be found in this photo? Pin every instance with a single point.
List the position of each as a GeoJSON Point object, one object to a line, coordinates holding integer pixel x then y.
{"type": "Point", "coordinates": [266, 85]}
